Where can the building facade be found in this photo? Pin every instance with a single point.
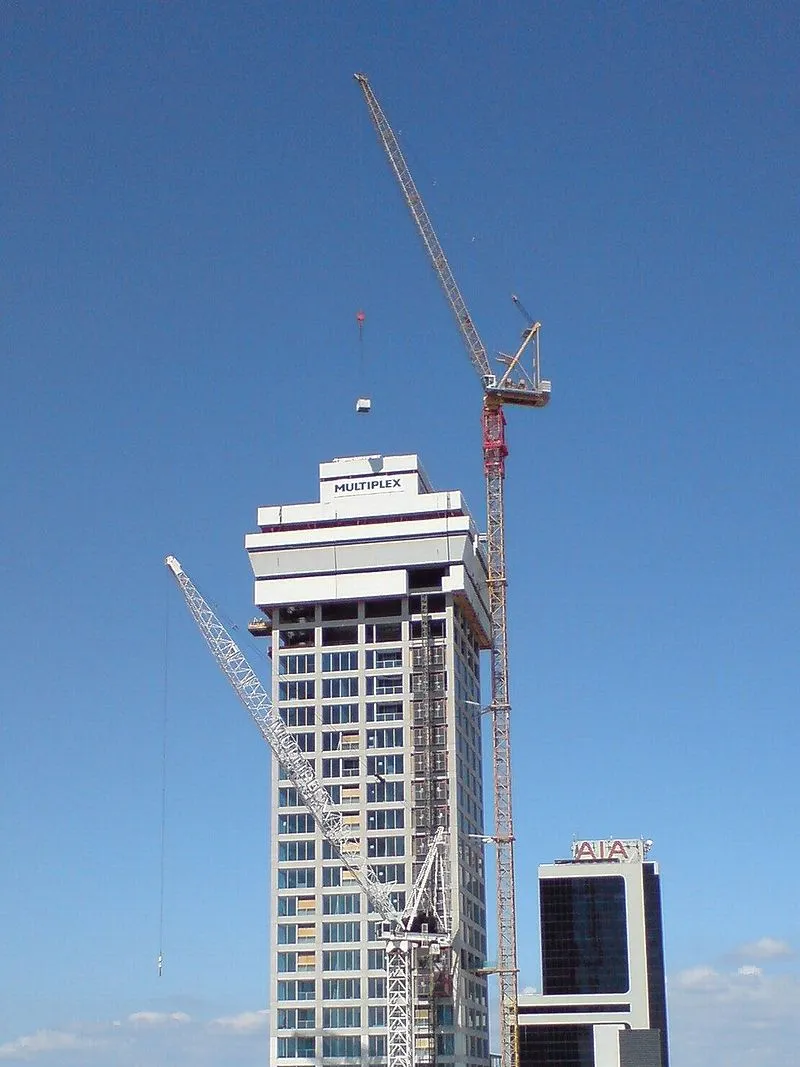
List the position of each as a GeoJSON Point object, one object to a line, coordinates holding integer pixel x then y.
{"type": "Point", "coordinates": [374, 603]}
{"type": "Point", "coordinates": [603, 1000]}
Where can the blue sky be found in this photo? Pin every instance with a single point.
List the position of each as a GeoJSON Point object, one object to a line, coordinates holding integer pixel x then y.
{"type": "Point", "coordinates": [195, 207]}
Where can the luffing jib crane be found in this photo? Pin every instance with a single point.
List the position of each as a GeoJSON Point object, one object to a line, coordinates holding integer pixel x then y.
{"type": "Point", "coordinates": [404, 932]}
{"type": "Point", "coordinates": [521, 385]}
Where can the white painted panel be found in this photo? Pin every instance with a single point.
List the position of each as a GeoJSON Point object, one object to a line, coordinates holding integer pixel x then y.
{"type": "Point", "coordinates": [310, 589]}
{"type": "Point", "coordinates": [606, 1046]}
{"type": "Point", "coordinates": [421, 551]}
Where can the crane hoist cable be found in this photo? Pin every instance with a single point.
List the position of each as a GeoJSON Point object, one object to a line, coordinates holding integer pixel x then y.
{"type": "Point", "coordinates": [163, 841]}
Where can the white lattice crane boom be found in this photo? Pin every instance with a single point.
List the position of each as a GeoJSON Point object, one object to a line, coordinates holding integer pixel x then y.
{"type": "Point", "coordinates": [429, 894]}
{"type": "Point", "coordinates": [522, 386]}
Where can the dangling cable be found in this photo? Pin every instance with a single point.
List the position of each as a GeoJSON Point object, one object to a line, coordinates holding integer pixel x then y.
{"type": "Point", "coordinates": [163, 787]}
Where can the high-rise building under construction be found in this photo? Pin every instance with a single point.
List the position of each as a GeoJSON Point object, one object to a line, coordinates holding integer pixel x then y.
{"type": "Point", "coordinates": [375, 602]}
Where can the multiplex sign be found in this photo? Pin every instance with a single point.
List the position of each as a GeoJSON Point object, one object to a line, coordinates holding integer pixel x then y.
{"type": "Point", "coordinates": [627, 851]}
{"type": "Point", "coordinates": [367, 485]}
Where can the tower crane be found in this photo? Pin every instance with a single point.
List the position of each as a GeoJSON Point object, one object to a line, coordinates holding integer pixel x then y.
{"type": "Point", "coordinates": [521, 385]}
{"type": "Point", "coordinates": [423, 926]}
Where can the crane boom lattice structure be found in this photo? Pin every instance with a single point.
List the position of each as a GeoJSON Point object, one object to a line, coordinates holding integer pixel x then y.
{"type": "Point", "coordinates": [520, 386]}
{"type": "Point", "coordinates": [429, 896]}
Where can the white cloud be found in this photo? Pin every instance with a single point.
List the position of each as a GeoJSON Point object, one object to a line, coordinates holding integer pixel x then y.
{"type": "Point", "coordinates": [25, 1048]}
{"type": "Point", "coordinates": [159, 1018]}
{"type": "Point", "coordinates": [765, 948]}
{"type": "Point", "coordinates": [742, 1018]}
{"type": "Point", "coordinates": [246, 1022]}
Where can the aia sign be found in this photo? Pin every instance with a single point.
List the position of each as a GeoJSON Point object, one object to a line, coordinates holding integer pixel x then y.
{"type": "Point", "coordinates": [628, 851]}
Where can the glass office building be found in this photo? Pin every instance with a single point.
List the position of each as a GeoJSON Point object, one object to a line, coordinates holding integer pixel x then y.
{"type": "Point", "coordinates": [374, 604]}
{"type": "Point", "coordinates": [603, 1000]}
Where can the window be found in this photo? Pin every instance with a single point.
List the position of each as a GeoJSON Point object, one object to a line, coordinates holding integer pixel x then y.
{"type": "Point", "coordinates": [295, 850]}
{"type": "Point", "coordinates": [377, 1046]}
{"type": "Point", "coordinates": [341, 988]}
{"type": "Point", "coordinates": [341, 904]}
{"type": "Point", "coordinates": [296, 1018]}
{"type": "Point", "coordinates": [333, 933]}
{"type": "Point", "coordinates": [376, 989]}
{"type": "Point", "coordinates": [385, 685]}
{"type": "Point", "coordinates": [335, 714]}
{"type": "Point", "coordinates": [287, 934]}
{"type": "Point", "coordinates": [296, 690]}
{"type": "Point", "coordinates": [297, 716]}
{"type": "Point", "coordinates": [341, 959]}
{"type": "Point", "coordinates": [388, 657]}
{"type": "Point", "coordinates": [296, 664]}
{"type": "Point", "coordinates": [444, 1014]}
{"type": "Point", "coordinates": [287, 905]}
{"type": "Point", "coordinates": [339, 661]}
{"type": "Point", "coordinates": [339, 687]}
{"type": "Point", "coordinates": [376, 959]}
{"type": "Point", "coordinates": [382, 765]}
{"type": "Point", "coordinates": [386, 819]}
{"type": "Point", "coordinates": [306, 933]}
{"type": "Point", "coordinates": [296, 878]}
{"type": "Point", "coordinates": [290, 989]}
{"type": "Point", "coordinates": [340, 740]}
{"type": "Point", "coordinates": [340, 768]}
{"type": "Point", "coordinates": [287, 962]}
{"type": "Point", "coordinates": [342, 1046]}
{"type": "Point", "coordinates": [283, 773]}
{"type": "Point", "coordinates": [341, 1018]}
{"type": "Point", "coordinates": [302, 823]}
{"type": "Point", "coordinates": [382, 632]}
{"type": "Point", "coordinates": [385, 712]}
{"type": "Point", "coordinates": [287, 797]}
{"type": "Point", "coordinates": [306, 961]}
{"type": "Point", "coordinates": [305, 742]}
{"type": "Point", "coordinates": [380, 792]}
{"type": "Point", "coordinates": [445, 1044]}
{"type": "Point", "coordinates": [375, 929]}
{"type": "Point", "coordinates": [388, 737]}
{"type": "Point", "coordinates": [386, 846]}
{"type": "Point", "coordinates": [584, 935]}
{"type": "Point", "coordinates": [376, 1015]}
{"type": "Point", "coordinates": [290, 1048]}
{"type": "Point", "coordinates": [331, 876]}
{"type": "Point", "coordinates": [390, 872]}
{"type": "Point", "coordinates": [398, 899]}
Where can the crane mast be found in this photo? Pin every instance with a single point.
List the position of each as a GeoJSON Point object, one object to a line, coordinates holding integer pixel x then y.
{"type": "Point", "coordinates": [521, 385]}
{"type": "Point", "coordinates": [430, 891]}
